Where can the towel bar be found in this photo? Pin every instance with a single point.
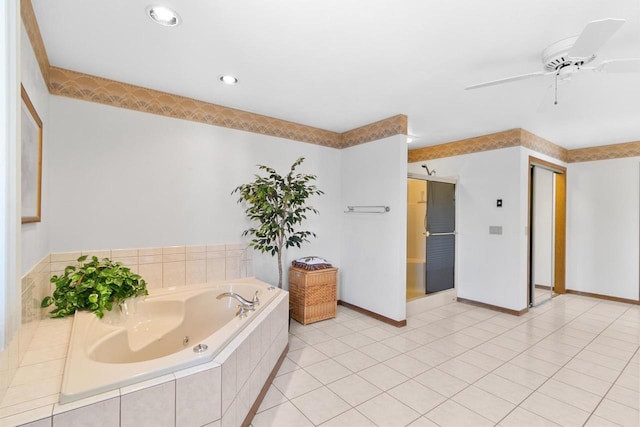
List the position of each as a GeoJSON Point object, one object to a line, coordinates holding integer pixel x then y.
{"type": "Point", "coordinates": [368, 209]}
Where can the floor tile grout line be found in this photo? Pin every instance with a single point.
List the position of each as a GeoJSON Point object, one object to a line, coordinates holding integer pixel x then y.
{"type": "Point", "coordinates": [502, 333]}
{"type": "Point", "coordinates": [364, 379]}
{"type": "Point", "coordinates": [305, 415]}
{"type": "Point", "coordinates": [489, 372]}
{"type": "Point", "coordinates": [612, 321]}
{"type": "Point", "coordinates": [608, 355]}
{"type": "Point", "coordinates": [574, 316]}
{"type": "Point", "coordinates": [350, 406]}
{"type": "Point", "coordinates": [548, 378]}
{"type": "Point", "coordinates": [468, 326]}
{"type": "Point", "coordinates": [443, 318]}
{"type": "Point", "coordinates": [604, 396]}
{"type": "Point", "coordinates": [625, 387]}
{"type": "Point", "coordinates": [470, 384]}
{"type": "Point", "coordinates": [504, 362]}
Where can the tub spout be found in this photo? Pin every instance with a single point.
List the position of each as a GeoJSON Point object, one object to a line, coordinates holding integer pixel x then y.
{"type": "Point", "coordinates": [250, 305]}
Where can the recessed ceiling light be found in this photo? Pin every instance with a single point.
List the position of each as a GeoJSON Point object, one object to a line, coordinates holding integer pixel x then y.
{"type": "Point", "coordinates": [410, 139]}
{"type": "Point", "coordinates": [163, 15]}
{"type": "Point", "coordinates": [228, 80]}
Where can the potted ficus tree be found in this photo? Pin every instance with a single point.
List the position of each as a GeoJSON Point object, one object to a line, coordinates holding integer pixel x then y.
{"type": "Point", "coordinates": [278, 204]}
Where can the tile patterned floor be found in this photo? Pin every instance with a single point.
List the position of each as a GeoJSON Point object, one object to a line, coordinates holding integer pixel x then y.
{"type": "Point", "coordinates": [571, 361]}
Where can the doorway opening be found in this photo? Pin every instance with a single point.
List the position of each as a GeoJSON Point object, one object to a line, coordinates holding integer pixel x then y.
{"type": "Point", "coordinates": [547, 231]}
{"type": "Point", "coordinates": [431, 235]}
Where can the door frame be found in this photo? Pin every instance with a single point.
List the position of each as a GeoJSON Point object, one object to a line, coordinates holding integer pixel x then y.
{"type": "Point", "coordinates": [448, 180]}
{"type": "Point", "coordinates": [453, 180]}
{"type": "Point", "coordinates": [560, 244]}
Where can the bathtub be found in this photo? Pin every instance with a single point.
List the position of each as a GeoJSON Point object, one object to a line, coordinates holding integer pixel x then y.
{"type": "Point", "coordinates": [166, 331]}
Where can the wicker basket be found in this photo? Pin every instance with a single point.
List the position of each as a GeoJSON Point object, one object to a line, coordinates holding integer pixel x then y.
{"type": "Point", "coordinates": [312, 294]}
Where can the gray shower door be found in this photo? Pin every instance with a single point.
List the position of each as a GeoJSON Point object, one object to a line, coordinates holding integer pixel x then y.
{"type": "Point", "coordinates": [441, 232]}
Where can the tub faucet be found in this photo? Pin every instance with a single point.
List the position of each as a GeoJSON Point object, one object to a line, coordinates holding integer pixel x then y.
{"type": "Point", "coordinates": [242, 311]}
{"type": "Point", "coordinates": [256, 300]}
{"type": "Point", "coordinates": [249, 305]}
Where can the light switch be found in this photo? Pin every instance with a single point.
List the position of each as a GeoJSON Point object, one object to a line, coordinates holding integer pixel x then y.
{"type": "Point", "coordinates": [495, 229]}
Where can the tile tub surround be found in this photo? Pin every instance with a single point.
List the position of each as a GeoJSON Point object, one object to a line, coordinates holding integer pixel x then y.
{"type": "Point", "coordinates": [221, 391]}
{"type": "Point", "coordinates": [159, 266]}
{"type": "Point", "coordinates": [33, 287]}
{"type": "Point", "coordinates": [164, 267]}
{"type": "Point", "coordinates": [124, 350]}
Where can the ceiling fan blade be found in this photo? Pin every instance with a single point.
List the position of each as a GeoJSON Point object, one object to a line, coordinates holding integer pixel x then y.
{"type": "Point", "coordinates": [629, 65]}
{"type": "Point", "coordinates": [594, 35]}
{"type": "Point", "coordinates": [510, 79]}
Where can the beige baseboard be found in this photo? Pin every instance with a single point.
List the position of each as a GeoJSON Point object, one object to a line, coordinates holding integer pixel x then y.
{"type": "Point", "coordinates": [493, 307]}
{"type": "Point", "coordinates": [256, 405]}
{"type": "Point", "coordinates": [396, 323]}
{"type": "Point", "coordinates": [604, 297]}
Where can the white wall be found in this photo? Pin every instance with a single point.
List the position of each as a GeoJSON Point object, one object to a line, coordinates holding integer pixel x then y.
{"type": "Point", "coordinates": [9, 186]}
{"type": "Point", "coordinates": [35, 236]}
{"type": "Point", "coordinates": [489, 268]}
{"type": "Point", "coordinates": [603, 227]}
{"type": "Point", "coordinates": [121, 178]}
{"type": "Point", "coordinates": [374, 245]}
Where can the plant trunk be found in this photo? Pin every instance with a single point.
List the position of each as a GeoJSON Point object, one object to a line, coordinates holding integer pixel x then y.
{"type": "Point", "coordinates": [280, 248]}
{"type": "Point", "coordinates": [280, 269]}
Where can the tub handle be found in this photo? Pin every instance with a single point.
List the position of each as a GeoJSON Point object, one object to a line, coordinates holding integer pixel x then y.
{"type": "Point", "coordinates": [242, 311]}
{"type": "Point", "coordinates": [256, 300]}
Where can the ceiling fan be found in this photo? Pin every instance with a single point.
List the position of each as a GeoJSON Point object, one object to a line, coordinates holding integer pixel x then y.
{"type": "Point", "coordinates": [568, 56]}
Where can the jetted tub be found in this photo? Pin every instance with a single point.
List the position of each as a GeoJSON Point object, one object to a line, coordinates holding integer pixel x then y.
{"type": "Point", "coordinates": [155, 335]}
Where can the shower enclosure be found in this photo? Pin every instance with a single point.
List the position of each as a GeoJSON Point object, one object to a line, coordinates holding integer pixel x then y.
{"type": "Point", "coordinates": [430, 235]}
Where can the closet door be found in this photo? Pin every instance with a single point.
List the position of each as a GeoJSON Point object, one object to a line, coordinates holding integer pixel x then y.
{"type": "Point", "coordinates": [542, 238]}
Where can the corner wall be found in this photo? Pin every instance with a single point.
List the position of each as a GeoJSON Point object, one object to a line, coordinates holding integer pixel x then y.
{"type": "Point", "coordinates": [603, 227]}
{"type": "Point", "coordinates": [30, 242]}
{"type": "Point", "coordinates": [483, 273]}
{"type": "Point", "coordinates": [374, 245]}
{"type": "Point", "coordinates": [35, 236]}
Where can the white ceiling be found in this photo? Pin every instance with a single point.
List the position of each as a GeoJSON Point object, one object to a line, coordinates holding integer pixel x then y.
{"type": "Point", "coordinates": [341, 64]}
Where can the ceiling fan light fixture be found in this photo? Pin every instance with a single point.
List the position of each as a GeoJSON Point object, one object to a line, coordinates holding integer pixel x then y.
{"type": "Point", "coordinates": [163, 15]}
{"type": "Point", "coordinates": [228, 79]}
{"type": "Point", "coordinates": [556, 56]}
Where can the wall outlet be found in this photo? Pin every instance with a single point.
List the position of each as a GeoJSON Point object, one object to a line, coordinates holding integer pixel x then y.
{"type": "Point", "coordinates": [495, 229]}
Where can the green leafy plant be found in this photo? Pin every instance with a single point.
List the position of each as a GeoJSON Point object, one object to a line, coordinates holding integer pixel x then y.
{"type": "Point", "coordinates": [94, 286]}
{"type": "Point", "coordinates": [278, 204]}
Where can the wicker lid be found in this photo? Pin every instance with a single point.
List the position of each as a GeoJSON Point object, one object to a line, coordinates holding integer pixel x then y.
{"type": "Point", "coordinates": [311, 263]}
